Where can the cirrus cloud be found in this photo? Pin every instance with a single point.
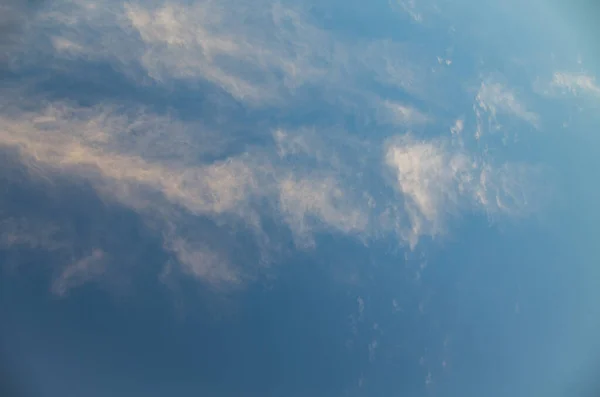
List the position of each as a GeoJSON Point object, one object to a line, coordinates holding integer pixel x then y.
{"type": "Point", "coordinates": [292, 178]}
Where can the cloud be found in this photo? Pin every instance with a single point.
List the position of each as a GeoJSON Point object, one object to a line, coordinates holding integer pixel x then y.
{"type": "Point", "coordinates": [202, 262]}
{"type": "Point", "coordinates": [410, 8]}
{"type": "Point", "coordinates": [122, 157]}
{"type": "Point", "coordinates": [438, 180]}
{"type": "Point", "coordinates": [432, 181]}
{"type": "Point", "coordinates": [80, 272]}
{"type": "Point", "coordinates": [305, 182]}
{"type": "Point", "coordinates": [281, 183]}
{"type": "Point", "coordinates": [402, 114]}
{"type": "Point", "coordinates": [136, 150]}
{"type": "Point", "coordinates": [308, 203]}
{"type": "Point", "coordinates": [575, 83]}
{"type": "Point", "coordinates": [361, 307]}
{"type": "Point", "coordinates": [458, 127]}
{"type": "Point", "coordinates": [495, 98]}
{"type": "Point", "coordinates": [152, 164]}
{"type": "Point", "coordinates": [273, 52]}
{"type": "Point", "coordinates": [274, 56]}
{"type": "Point", "coordinates": [183, 42]}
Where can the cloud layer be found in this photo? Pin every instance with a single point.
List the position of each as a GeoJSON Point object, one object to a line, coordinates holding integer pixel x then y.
{"type": "Point", "coordinates": [402, 172]}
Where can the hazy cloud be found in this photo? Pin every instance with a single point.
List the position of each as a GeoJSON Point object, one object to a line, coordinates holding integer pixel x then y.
{"type": "Point", "coordinates": [266, 60]}
{"type": "Point", "coordinates": [438, 180]}
{"type": "Point", "coordinates": [402, 114]}
{"type": "Point", "coordinates": [202, 262]}
{"type": "Point", "coordinates": [495, 98]}
{"type": "Point", "coordinates": [458, 127]}
{"type": "Point", "coordinates": [307, 203]}
{"type": "Point", "coordinates": [575, 83]}
{"type": "Point", "coordinates": [177, 174]}
{"type": "Point", "coordinates": [24, 232]}
{"type": "Point", "coordinates": [410, 8]}
{"type": "Point", "coordinates": [136, 160]}
{"type": "Point", "coordinates": [80, 272]}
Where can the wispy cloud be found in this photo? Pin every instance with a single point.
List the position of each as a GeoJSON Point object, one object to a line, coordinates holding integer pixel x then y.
{"type": "Point", "coordinates": [177, 174]}
{"type": "Point", "coordinates": [272, 53]}
{"type": "Point", "coordinates": [302, 181]}
{"type": "Point", "coordinates": [194, 42]}
{"type": "Point", "coordinates": [496, 98]}
{"type": "Point", "coordinates": [31, 234]}
{"type": "Point", "coordinates": [402, 114]}
{"type": "Point", "coordinates": [439, 180]}
{"type": "Point", "coordinates": [203, 262]}
{"type": "Point", "coordinates": [266, 60]}
{"type": "Point", "coordinates": [458, 127]}
{"type": "Point", "coordinates": [431, 180]}
{"type": "Point", "coordinates": [80, 272]}
{"type": "Point", "coordinates": [575, 83]}
{"type": "Point", "coordinates": [134, 159]}
{"type": "Point", "coordinates": [410, 8]}
{"type": "Point", "coordinates": [307, 203]}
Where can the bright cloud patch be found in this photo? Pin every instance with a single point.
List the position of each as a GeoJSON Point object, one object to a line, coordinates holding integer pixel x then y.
{"type": "Point", "coordinates": [576, 83]}
{"type": "Point", "coordinates": [438, 181]}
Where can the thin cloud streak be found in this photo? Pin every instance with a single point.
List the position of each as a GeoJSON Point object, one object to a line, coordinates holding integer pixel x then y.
{"type": "Point", "coordinates": [434, 180]}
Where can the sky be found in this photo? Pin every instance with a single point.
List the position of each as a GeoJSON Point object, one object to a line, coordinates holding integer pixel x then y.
{"type": "Point", "coordinates": [294, 198]}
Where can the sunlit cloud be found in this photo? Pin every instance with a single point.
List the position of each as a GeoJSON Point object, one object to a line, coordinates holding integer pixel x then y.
{"type": "Point", "coordinates": [439, 181]}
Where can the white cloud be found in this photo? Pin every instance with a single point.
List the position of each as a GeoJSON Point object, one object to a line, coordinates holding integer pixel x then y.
{"type": "Point", "coordinates": [305, 182]}
{"type": "Point", "coordinates": [96, 144]}
{"type": "Point", "coordinates": [100, 140]}
{"type": "Point", "coordinates": [402, 114]}
{"type": "Point", "coordinates": [438, 181]}
{"type": "Point", "coordinates": [63, 45]}
{"type": "Point", "coordinates": [575, 83]}
{"type": "Point", "coordinates": [495, 98]}
{"type": "Point", "coordinates": [458, 127]}
{"type": "Point", "coordinates": [202, 262]}
{"type": "Point", "coordinates": [152, 164]}
{"type": "Point", "coordinates": [309, 203]}
{"type": "Point", "coordinates": [432, 181]}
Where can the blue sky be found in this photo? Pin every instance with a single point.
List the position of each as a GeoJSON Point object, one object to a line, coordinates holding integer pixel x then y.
{"type": "Point", "coordinates": [296, 198]}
